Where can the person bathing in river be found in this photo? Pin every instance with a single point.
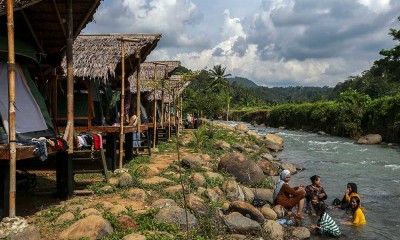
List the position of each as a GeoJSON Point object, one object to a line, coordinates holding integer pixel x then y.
{"type": "Point", "coordinates": [287, 196]}
{"type": "Point", "coordinates": [358, 214]}
{"type": "Point", "coordinates": [315, 190]}
{"type": "Point", "coordinates": [325, 225]}
{"type": "Point", "coordinates": [351, 191]}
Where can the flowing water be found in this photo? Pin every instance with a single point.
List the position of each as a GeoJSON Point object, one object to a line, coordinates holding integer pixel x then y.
{"type": "Point", "coordinates": [374, 168]}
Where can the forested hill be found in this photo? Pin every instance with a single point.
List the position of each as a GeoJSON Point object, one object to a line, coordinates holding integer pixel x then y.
{"type": "Point", "coordinates": [242, 82]}
{"type": "Point", "coordinates": [289, 94]}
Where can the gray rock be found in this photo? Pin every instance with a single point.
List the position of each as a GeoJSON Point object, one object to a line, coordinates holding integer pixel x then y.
{"type": "Point", "coordinates": [370, 139]}
{"type": "Point", "coordinates": [246, 209]}
{"type": "Point", "coordinates": [176, 215]}
{"type": "Point", "coordinates": [248, 194]}
{"type": "Point", "coordinates": [274, 229]}
{"type": "Point", "coordinates": [268, 213]}
{"type": "Point", "coordinates": [263, 194]}
{"type": "Point", "coordinates": [89, 212]}
{"type": "Point", "coordinates": [232, 190]}
{"type": "Point", "coordinates": [238, 147]}
{"type": "Point", "coordinates": [242, 127]}
{"type": "Point", "coordinates": [242, 168]}
{"type": "Point", "coordinates": [222, 145]}
{"type": "Point", "coordinates": [106, 189]}
{"type": "Point", "coordinates": [92, 227]}
{"type": "Point", "coordinates": [137, 194]}
{"type": "Point", "coordinates": [301, 233]}
{"type": "Point", "coordinates": [237, 223]}
{"type": "Point", "coordinates": [68, 216]}
{"type": "Point", "coordinates": [274, 142]}
{"type": "Point", "coordinates": [196, 204]}
{"type": "Point", "coordinates": [134, 236]}
{"type": "Point", "coordinates": [212, 195]}
{"type": "Point", "coordinates": [269, 168]}
{"type": "Point", "coordinates": [163, 203]}
{"type": "Point", "coordinates": [194, 160]}
{"type": "Point", "coordinates": [198, 180]}
{"type": "Point", "coordinates": [125, 180]}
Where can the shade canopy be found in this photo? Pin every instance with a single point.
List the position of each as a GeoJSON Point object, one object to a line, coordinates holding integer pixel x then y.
{"type": "Point", "coordinates": [43, 24]}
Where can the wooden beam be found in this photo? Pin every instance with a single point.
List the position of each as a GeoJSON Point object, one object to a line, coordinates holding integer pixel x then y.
{"type": "Point", "coordinates": [88, 14]}
{"type": "Point", "coordinates": [32, 32]}
{"type": "Point", "coordinates": [59, 18]}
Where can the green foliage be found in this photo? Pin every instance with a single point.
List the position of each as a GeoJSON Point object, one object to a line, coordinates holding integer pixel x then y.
{"type": "Point", "coordinates": [199, 136]}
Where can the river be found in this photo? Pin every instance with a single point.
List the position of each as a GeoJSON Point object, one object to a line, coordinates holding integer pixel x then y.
{"type": "Point", "coordinates": [374, 168]}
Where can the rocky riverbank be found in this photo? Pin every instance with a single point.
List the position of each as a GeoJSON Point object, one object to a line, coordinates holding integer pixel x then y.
{"type": "Point", "coordinates": [219, 186]}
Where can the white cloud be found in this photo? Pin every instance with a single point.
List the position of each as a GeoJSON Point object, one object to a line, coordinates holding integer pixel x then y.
{"type": "Point", "coordinates": [277, 42]}
{"type": "Point", "coordinates": [377, 6]}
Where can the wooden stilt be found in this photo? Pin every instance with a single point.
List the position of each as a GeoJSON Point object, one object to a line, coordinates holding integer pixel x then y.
{"type": "Point", "coordinates": [122, 112]}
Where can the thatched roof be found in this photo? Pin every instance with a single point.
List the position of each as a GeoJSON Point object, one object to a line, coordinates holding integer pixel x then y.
{"type": "Point", "coordinates": [163, 70]}
{"type": "Point", "coordinates": [99, 55]}
{"type": "Point", "coordinates": [42, 23]}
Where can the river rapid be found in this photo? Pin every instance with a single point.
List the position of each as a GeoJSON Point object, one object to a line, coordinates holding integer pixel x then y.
{"type": "Point", "coordinates": [374, 168]}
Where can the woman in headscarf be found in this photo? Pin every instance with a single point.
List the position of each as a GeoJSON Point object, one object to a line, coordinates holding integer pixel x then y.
{"type": "Point", "coordinates": [287, 196]}
{"type": "Point", "coordinates": [351, 191]}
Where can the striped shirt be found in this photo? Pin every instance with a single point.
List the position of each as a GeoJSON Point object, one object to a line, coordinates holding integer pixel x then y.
{"type": "Point", "coordinates": [328, 226]}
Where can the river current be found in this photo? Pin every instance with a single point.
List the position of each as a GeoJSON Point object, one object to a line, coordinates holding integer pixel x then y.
{"type": "Point", "coordinates": [374, 168]}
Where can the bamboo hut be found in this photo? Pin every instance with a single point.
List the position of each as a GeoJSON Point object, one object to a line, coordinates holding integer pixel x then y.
{"type": "Point", "coordinates": [42, 24]}
{"type": "Point", "coordinates": [154, 76]}
{"type": "Point", "coordinates": [98, 60]}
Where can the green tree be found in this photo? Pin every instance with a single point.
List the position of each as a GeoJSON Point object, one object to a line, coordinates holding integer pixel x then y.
{"type": "Point", "coordinates": [218, 76]}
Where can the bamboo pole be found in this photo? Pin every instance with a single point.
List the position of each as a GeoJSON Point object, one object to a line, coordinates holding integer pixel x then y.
{"type": "Point", "coordinates": [11, 95]}
{"type": "Point", "coordinates": [122, 114]}
{"type": "Point", "coordinates": [70, 80]}
{"type": "Point", "coordinates": [139, 60]}
{"type": "Point", "coordinates": [155, 108]}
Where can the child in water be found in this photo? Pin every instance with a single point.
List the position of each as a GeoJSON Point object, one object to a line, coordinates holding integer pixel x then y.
{"type": "Point", "coordinates": [325, 225]}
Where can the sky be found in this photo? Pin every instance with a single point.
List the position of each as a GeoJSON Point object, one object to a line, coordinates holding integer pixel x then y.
{"type": "Point", "coordinates": [271, 42]}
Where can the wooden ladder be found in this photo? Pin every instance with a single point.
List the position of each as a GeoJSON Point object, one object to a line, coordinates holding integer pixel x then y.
{"type": "Point", "coordinates": [79, 156]}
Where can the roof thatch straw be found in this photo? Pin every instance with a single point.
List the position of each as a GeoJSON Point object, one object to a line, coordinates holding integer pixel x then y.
{"type": "Point", "coordinates": [40, 23]}
{"type": "Point", "coordinates": [99, 56]}
{"type": "Point", "coordinates": [164, 69]}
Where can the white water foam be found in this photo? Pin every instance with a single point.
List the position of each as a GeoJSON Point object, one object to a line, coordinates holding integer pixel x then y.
{"type": "Point", "coordinates": [393, 166]}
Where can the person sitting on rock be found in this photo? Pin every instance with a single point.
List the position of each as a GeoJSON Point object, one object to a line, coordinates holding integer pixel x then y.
{"type": "Point", "coordinates": [287, 196]}
{"type": "Point", "coordinates": [325, 225]}
{"type": "Point", "coordinates": [316, 190]}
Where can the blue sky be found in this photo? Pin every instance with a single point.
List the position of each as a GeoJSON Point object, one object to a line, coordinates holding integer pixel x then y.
{"type": "Point", "coordinates": [271, 42]}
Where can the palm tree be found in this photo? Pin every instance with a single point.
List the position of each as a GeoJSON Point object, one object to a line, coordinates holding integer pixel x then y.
{"type": "Point", "coordinates": [219, 77]}
{"type": "Point", "coordinates": [219, 80]}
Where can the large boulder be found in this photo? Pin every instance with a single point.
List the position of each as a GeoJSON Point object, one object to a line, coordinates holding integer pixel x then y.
{"type": "Point", "coordinates": [242, 127]}
{"type": "Point", "coordinates": [269, 168]}
{"type": "Point", "coordinates": [274, 229]}
{"type": "Point", "coordinates": [246, 209]}
{"type": "Point", "coordinates": [274, 142]}
{"type": "Point", "coordinates": [196, 160]}
{"type": "Point", "coordinates": [92, 227]}
{"type": "Point", "coordinates": [301, 233]}
{"type": "Point", "coordinates": [176, 215]}
{"type": "Point", "coordinates": [370, 139]}
{"type": "Point", "coordinates": [237, 223]}
{"type": "Point", "coordinates": [242, 168]}
{"type": "Point", "coordinates": [196, 204]}
{"type": "Point", "coordinates": [232, 190]}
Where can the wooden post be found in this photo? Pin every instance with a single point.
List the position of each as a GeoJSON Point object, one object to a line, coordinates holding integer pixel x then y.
{"type": "Point", "coordinates": [70, 80]}
{"type": "Point", "coordinates": [11, 105]}
{"type": "Point", "coordinates": [169, 110]}
{"type": "Point", "coordinates": [139, 60]}
{"type": "Point", "coordinates": [122, 114]}
{"type": "Point", "coordinates": [155, 108]}
{"type": "Point", "coordinates": [70, 130]}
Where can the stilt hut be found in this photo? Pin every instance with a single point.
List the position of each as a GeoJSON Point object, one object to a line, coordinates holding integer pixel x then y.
{"type": "Point", "coordinates": [50, 27]}
{"type": "Point", "coordinates": [154, 78]}
{"type": "Point", "coordinates": [100, 79]}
